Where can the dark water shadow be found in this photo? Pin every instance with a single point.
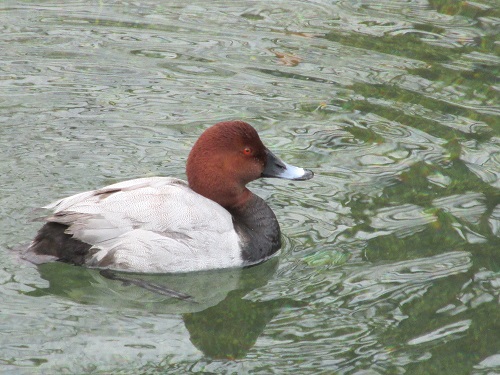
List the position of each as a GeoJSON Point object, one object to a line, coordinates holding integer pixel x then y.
{"type": "Point", "coordinates": [221, 322]}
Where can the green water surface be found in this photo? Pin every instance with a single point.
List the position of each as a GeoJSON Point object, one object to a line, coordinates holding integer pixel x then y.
{"type": "Point", "coordinates": [391, 255]}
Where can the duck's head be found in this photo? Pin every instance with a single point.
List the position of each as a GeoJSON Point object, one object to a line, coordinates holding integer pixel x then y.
{"type": "Point", "coordinates": [229, 155]}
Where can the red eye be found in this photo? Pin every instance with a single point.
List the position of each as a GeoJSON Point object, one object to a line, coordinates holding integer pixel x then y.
{"type": "Point", "coordinates": [247, 151]}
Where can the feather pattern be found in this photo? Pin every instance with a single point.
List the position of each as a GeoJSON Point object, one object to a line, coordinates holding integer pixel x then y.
{"type": "Point", "coordinates": [155, 224]}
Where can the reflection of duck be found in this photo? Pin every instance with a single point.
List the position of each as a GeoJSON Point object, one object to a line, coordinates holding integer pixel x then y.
{"type": "Point", "coordinates": [221, 324]}
{"type": "Point", "coordinates": [206, 288]}
{"type": "Point", "coordinates": [162, 224]}
{"type": "Point", "coordinates": [230, 329]}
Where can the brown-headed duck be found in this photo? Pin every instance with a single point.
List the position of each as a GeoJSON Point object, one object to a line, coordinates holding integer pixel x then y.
{"type": "Point", "coordinates": [163, 224]}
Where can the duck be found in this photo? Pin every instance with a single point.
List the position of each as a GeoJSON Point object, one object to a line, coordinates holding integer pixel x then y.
{"type": "Point", "coordinates": [167, 225]}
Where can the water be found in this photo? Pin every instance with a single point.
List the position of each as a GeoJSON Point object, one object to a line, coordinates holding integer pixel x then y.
{"type": "Point", "coordinates": [390, 263]}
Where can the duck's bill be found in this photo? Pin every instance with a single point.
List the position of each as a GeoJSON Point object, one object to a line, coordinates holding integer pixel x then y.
{"type": "Point", "coordinates": [275, 167]}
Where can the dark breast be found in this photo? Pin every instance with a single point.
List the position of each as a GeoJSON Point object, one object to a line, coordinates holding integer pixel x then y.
{"type": "Point", "coordinates": [259, 230]}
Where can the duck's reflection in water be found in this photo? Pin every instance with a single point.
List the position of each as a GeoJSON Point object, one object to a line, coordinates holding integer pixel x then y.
{"type": "Point", "coordinates": [220, 321]}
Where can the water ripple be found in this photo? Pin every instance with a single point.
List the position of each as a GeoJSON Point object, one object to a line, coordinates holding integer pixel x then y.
{"type": "Point", "coordinates": [469, 206]}
{"type": "Point", "coordinates": [442, 333]}
{"type": "Point", "coordinates": [494, 221]}
{"type": "Point", "coordinates": [370, 284]}
{"type": "Point", "coordinates": [483, 160]}
{"type": "Point", "coordinates": [392, 104]}
{"type": "Point", "coordinates": [401, 221]}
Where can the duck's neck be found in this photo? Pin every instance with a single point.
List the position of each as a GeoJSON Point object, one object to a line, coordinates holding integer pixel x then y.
{"type": "Point", "coordinates": [257, 227]}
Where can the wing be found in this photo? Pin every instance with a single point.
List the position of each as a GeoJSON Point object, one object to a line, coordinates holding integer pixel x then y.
{"type": "Point", "coordinates": [153, 224]}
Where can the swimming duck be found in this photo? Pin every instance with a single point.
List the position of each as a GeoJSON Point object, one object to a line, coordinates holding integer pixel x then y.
{"type": "Point", "coordinates": [166, 225]}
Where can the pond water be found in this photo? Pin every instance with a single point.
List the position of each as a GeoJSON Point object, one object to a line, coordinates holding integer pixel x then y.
{"type": "Point", "coordinates": [391, 255]}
